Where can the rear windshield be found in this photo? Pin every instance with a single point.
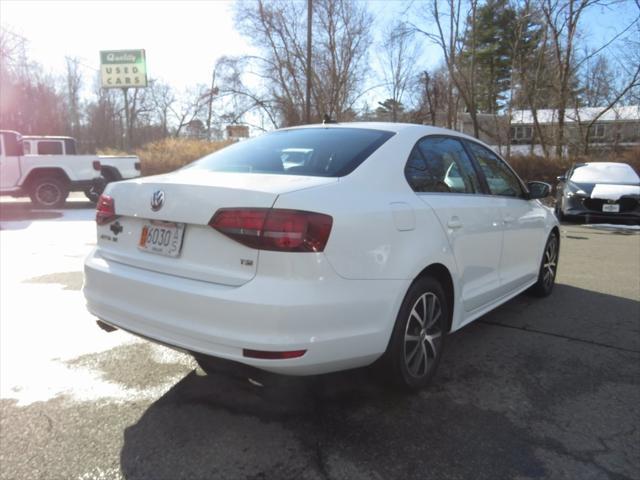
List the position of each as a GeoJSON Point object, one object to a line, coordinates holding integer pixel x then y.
{"type": "Point", "coordinates": [604, 173]}
{"type": "Point", "coordinates": [323, 152]}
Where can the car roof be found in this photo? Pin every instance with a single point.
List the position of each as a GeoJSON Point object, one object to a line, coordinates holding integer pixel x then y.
{"type": "Point", "coordinates": [46, 137]}
{"type": "Point", "coordinates": [603, 164]}
{"type": "Point", "coordinates": [388, 127]}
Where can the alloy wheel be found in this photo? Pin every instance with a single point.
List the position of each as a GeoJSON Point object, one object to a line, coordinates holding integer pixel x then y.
{"type": "Point", "coordinates": [48, 194]}
{"type": "Point", "coordinates": [423, 335]}
{"type": "Point", "coordinates": [550, 262]}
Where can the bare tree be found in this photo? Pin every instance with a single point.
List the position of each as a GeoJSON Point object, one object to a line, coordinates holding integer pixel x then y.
{"type": "Point", "coordinates": [74, 84]}
{"type": "Point", "coordinates": [399, 59]}
{"type": "Point", "coordinates": [450, 38]}
{"type": "Point", "coordinates": [340, 45]}
{"type": "Point", "coordinates": [162, 97]}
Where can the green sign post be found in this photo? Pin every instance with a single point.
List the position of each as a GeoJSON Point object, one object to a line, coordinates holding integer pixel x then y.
{"type": "Point", "coordinates": [124, 69]}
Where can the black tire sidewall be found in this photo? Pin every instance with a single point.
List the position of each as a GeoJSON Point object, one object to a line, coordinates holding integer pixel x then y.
{"type": "Point", "coordinates": [540, 288]}
{"type": "Point", "coordinates": [395, 361]}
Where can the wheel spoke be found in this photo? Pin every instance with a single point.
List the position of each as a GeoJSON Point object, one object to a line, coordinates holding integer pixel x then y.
{"type": "Point", "coordinates": [434, 319]}
{"type": "Point", "coordinates": [430, 340]}
{"type": "Point", "coordinates": [413, 353]}
{"type": "Point", "coordinates": [415, 315]}
{"type": "Point", "coordinates": [411, 338]}
{"type": "Point", "coordinates": [414, 363]}
{"type": "Point", "coordinates": [425, 357]}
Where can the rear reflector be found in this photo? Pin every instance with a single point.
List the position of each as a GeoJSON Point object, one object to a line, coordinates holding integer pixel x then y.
{"type": "Point", "coordinates": [274, 229]}
{"type": "Point", "coordinates": [266, 355]}
{"type": "Point", "coordinates": [105, 210]}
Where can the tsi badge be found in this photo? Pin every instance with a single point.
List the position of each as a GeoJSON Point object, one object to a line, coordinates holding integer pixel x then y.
{"type": "Point", "coordinates": [157, 200]}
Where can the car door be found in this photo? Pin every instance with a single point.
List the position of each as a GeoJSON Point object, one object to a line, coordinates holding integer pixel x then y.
{"type": "Point", "coordinates": [523, 220]}
{"type": "Point", "coordinates": [443, 175]}
{"type": "Point", "coordinates": [10, 160]}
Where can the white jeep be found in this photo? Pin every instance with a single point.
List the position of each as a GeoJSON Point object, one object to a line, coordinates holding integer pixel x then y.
{"type": "Point", "coordinates": [113, 168]}
{"type": "Point", "coordinates": [47, 179]}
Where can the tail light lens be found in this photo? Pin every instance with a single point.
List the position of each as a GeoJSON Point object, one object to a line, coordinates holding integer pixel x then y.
{"type": "Point", "coordinates": [96, 165]}
{"type": "Point", "coordinates": [274, 229]}
{"type": "Point", "coordinates": [105, 210]}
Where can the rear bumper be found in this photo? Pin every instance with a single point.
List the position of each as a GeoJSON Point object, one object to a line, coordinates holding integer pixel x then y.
{"type": "Point", "coordinates": [340, 323]}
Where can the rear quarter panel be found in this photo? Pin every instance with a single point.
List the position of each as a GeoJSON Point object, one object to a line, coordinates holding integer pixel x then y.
{"type": "Point", "coordinates": [367, 242]}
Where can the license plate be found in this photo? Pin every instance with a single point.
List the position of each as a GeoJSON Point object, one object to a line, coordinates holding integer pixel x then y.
{"type": "Point", "coordinates": [611, 207]}
{"type": "Point", "coordinates": [162, 238]}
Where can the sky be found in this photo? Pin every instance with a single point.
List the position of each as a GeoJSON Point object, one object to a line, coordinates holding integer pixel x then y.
{"type": "Point", "coordinates": [183, 39]}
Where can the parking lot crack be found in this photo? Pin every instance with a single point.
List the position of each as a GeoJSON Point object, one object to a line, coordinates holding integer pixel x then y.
{"type": "Point", "coordinates": [559, 335]}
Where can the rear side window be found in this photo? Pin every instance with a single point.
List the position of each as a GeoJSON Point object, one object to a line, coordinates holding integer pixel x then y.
{"type": "Point", "coordinates": [324, 152]}
{"type": "Point", "coordinates": [26, 147]}
{"type": "Point", "coordinates": [500, 179]}
{"type": "Point", "coordinates": [49, 147]}
{"type": "Point", "coordinates": [440, 164]}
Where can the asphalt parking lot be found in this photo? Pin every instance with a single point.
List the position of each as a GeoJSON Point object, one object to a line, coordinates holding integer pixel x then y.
{"type": "Point", "coordinates": [536, 389]}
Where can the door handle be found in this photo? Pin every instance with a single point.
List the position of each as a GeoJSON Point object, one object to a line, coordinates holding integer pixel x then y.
{"type": "Point", "coordinates": [454, 222]}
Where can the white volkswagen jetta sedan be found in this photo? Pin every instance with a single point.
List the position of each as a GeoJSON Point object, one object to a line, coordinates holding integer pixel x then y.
{"type": "Point", "coordinates": [383, 239]}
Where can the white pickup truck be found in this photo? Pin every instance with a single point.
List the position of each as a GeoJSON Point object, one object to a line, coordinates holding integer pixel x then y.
{"type": "Point", "coordinates": [47, 179]}
{"type": "Point", "coordinates": [113, 168]}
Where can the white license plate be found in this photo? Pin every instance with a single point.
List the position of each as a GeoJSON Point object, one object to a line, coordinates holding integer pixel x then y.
{"type": "Point", "coordinates": [162, 238]}
{"type": "Point", "coordinates": [610, 207]}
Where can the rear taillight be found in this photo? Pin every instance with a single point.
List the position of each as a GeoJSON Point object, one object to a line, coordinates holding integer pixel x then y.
{"type": "Point", "coordinates": [274, 229]}
{"type": "Point", "coordinates": [96, 165]}
{"type": "Point", "coordinates": [105, 210]}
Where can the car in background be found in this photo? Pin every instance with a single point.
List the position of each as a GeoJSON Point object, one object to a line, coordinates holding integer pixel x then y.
{"type": "Point", "coordinates": [46, 179]}
{"type": "Point", "coordinates": [599, 191]}
{"type": "Point", "coordinates": [376, 242]}
{"type": "Point", "coordinates": [112, 167]}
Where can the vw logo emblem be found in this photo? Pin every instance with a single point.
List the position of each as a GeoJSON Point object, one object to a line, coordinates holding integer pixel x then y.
{"type": "Point", "coordinates": [157, 200]}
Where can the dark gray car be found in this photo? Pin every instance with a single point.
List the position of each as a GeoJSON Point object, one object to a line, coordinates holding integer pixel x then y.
{"type": "Point", "coordinates": [599, 191]}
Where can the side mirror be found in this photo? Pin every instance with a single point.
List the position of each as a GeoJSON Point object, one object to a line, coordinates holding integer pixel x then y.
{"type": "Point", "coordinates": [538, 190]}
{"type": "Point", "coordinates": [562, 178]}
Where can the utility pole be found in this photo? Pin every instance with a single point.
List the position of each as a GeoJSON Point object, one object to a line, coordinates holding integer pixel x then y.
{"type": "Point", "coordinates": [308, 99]}
{"type": "Point", "coordinates": [127, 120]}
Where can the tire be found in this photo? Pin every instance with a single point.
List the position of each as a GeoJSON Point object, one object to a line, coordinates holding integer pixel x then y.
{"type": "Point", "coordinates": [48, 192]}
{"type": "Point", "coordinates": [92, 195]}
{"type": "Point", "coordinates": [548, 267]}
{"type": "Point", "coordinates": [558, 210]}
{"type": "Point", "coordinates": [418, 335]}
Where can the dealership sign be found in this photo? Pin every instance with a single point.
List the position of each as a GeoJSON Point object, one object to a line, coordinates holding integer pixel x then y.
{"type": "Point", "coordinates": [123, 69]}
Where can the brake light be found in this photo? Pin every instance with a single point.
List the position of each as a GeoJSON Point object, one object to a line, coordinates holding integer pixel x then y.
{"type": "Point", "coordinates": [105, 210]}
{"type": "Point", "coordinates": [274, 229]}
{"type": "Point", "coordinates": [96, 165]}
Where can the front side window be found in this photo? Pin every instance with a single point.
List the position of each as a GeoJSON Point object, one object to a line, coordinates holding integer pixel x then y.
{"type": "Point", "coordinates": [49, 147]}
{"type": "Point", "coordinates": [323, 152]}
{"type": "Point", "coordinates": [500, 179]}
{"type": "Point", "coordinates": [440, 164]}
{"type": "Point", "coordinates": [26, 147]}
